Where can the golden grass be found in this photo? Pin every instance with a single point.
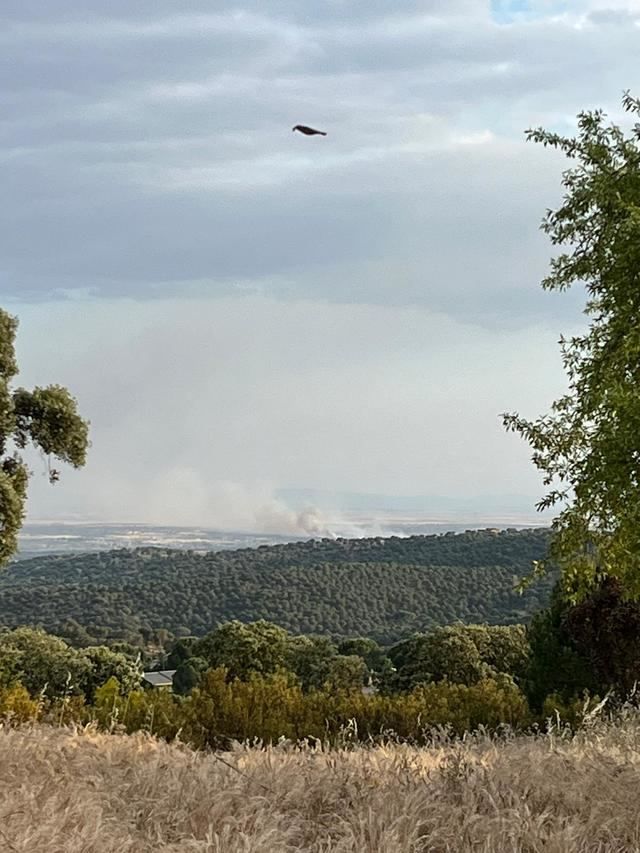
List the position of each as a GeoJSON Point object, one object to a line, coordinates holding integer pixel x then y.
{"type": "Point", "coordinates": [85, 792]}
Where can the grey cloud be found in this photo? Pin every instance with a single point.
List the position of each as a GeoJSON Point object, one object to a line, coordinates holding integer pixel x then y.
{"type": "Point", "coordinates": [457, 233]}
{"type": "Point", "coordinates": [139, 158]}
{"type": "Point", "coordinates": [299, 10]}
{"type": "Point", "coordinates": [450, 233]}
{"type": "Point", "coordinates": [614, 17]}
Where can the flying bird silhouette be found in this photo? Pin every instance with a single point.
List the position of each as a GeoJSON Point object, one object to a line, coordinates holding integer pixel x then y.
{"type": "Point", "coordinates": [309, 131]}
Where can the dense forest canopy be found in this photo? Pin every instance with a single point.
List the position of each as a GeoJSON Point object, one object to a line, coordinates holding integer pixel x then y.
{"type": "Point", "coordinates": [381, 588]}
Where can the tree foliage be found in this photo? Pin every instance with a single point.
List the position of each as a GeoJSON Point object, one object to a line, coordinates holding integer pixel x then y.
{"type": "Point", "coordinates": [41, 663]}
{"type": "Point", "coordinates": [105, 663]}
{"type": "Point", "coordinates": [462, 654]}
{"type": "Point", "coordinates": [556, 666]}
{"type": "Point", "coordinates": [262, 648]}
{"type": "Point", "coordinates": [588, 446]}
{"type": "Point", "coordinates": [245, 648]}
{"type": "Point", "coordinates": [310, 658]}
{"type": "Point", "coordinates": [188, 675]}
{"type": "Point", "coordinates": [593, 645]}
{"type": "Point", "coordinates": [605, 629]}
{"type": "Point", "coordinates": [46, 418]}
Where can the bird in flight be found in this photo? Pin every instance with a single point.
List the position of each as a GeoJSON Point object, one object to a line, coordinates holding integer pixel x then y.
{"type": "Point", "coordinates": [309, 131]}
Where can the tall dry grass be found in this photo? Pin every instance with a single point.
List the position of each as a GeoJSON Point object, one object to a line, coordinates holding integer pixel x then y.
{"type": "Point", "coordinates": [85, 792]}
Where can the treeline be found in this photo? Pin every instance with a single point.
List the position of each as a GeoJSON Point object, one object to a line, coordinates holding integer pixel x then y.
{"type": "Point", "coordinates": [566, 651]}
{"type": "Point", "coordinates": [464, 654]}
{"type": "Point", "coordinates": [244, 681]}
{"type": "Point", "coordinates": [461, 654]}
{"type": "Point", "coordinates": [320, 696]}
{"type": "Point", "coordinates": [383, 588]}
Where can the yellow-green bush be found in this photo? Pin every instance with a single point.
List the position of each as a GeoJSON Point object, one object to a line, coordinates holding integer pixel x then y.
{"type": "Point", "coordinates": [274, 707]}
{"type": "Point", "coordinates": [268, 708]}
{"type": "Point", "coordinates": [17, 706]}
{"type": "Point", "coordinates": [570, 713]}
{"type": "Point", "coordinates": [155, 711]}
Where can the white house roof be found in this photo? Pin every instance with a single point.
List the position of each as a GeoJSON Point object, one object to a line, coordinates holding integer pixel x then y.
{"type": "Point", "coordinates": [163, 678]}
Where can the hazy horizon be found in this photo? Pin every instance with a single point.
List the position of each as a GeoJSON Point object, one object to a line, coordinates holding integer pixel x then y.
{"type": "Point", "coordinates": [55, 536]}
{"type": "Point", "coordinates": [308, 512]}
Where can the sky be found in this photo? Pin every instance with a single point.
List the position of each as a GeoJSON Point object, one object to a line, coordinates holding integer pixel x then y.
{"type": "Point", "coordinates": [240, 309]}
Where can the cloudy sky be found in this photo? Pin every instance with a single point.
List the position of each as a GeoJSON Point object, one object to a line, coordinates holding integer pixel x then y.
{"type": "Point", "coordinates": [241, 309]}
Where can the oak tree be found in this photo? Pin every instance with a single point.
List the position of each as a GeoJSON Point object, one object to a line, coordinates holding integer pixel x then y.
{"type": "Point", "coordinates": [46, 418]}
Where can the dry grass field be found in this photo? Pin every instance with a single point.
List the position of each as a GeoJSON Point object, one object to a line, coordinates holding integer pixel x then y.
{"type": "Point", "coordinates": [84, 792]}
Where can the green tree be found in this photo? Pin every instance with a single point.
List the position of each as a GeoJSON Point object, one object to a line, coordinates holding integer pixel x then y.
{"type": "Point", "coordinates": [504, 648]}
{"type": "Point", "coordinates": [310, 658]}
{"type": "Point", "coordinates": [588, 446]}
{"type": "Point", "coordinates": [185, 679]}
{"type": "Point", "coordinates": [42, 662]}
{"type": "Point", "coordinates": [180, 652]}
{"type": "Point", "coordinates": [346, 673]}
{"type": "Point", "coordinates": [605, 630]}
{"type": "Point", "coordinates": [188, 675]}
{"type": "Point", "coordinates": [104, 664]}
{"type": "Point", "coordinates": [75, 634]}
{"type": "Point", "coordinates": [448, 652]}
{"type": "Point", "coordinates": [555, 665]}
{"type": "Point", "coordinates": [373, 655]}
{"type": "Point", "coordinates": [463, 654]}
{"type": "Point", "coordinates": [46, 418]}
{"type": "Point", "coordinates": [245, 648]}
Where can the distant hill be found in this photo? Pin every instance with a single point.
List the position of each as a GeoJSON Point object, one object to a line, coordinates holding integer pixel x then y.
{"type": "Point", "coordinates": [385, 588]}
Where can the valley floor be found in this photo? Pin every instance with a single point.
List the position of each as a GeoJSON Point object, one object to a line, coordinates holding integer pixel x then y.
{"type": "Point", "coordinates": [66, 792]}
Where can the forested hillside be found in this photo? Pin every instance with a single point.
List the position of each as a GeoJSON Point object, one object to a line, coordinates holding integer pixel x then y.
{"type": "Point", "coordinates": [384, 588]}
